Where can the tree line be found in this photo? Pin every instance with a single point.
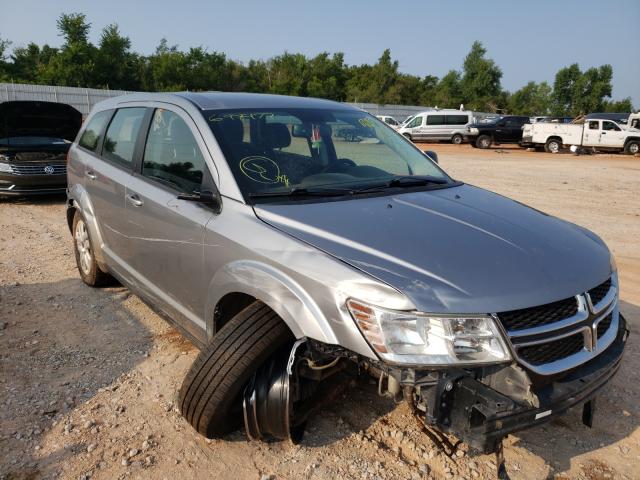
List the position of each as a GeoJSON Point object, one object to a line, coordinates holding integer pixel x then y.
{"type": "Point", "coordinates": [112, 64]}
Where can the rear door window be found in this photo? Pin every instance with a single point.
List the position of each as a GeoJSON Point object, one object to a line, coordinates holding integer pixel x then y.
{"type": "Point", "coordinates": [171, 155]}
{"type": "Point", "coordinates": [121, 136]}
{"type": "Point", "coordinates": [457, 119]}
{"type": "Point", "coordinates": [91, 135]}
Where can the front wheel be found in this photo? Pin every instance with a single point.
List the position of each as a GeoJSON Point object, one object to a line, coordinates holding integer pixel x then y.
{"type": "Point", "coordinates": [456, 139]}
{"type": "Point", "coordinates": [211, 394]}
{"type": "Point", "coordinates": [632, 147]}
{"type": "Point", "coordinates": [88, 268]}
{"type": "Point", "coordinates": [407, 136]}
{"type": "Point", "coordinates": [483, 141]}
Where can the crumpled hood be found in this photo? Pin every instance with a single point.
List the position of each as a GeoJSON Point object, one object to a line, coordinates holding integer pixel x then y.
{"type": "Point", "coordinates": [39, 119]}
{"type": "Point", "coordinates": [456, 250]}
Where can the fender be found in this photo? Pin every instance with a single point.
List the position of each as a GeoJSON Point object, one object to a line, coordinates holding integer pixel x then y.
{"type": "Point", "coordinates": [276, 289]}
{"type": "Point", "coordinates": [81, 202]}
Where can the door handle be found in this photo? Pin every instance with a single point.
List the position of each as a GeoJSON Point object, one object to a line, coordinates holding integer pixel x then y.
{"type": "Point", "coordinates": [90, 174]}
{"type": "Point", "coordinates": [604, 133]}
{"type": "Point", "coordinates": [134, 200]}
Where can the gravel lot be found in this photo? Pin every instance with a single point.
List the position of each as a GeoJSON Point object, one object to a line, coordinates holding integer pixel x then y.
{"type": "Point", "coordinates": [88, 378]}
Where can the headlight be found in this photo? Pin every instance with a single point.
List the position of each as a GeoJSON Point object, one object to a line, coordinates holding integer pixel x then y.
{"type": "Point", "coordinates": [4, 166]}
{"type": "Point", "coordinates": [474, 131]}
{"type": "Point", "coordinates": [422, 339]}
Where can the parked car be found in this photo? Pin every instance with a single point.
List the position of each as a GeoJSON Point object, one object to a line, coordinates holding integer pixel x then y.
{"type": "Point", "coordinates": [34, 140]}
{"type": "Point", "coordinates": [506, 129]}
{"type": "Point", "coordinates": [289, 255]}
{"type": "Point", "coordinates": [437, 125]}
{"type": "Point", "coordinates": [596, 133]}
{"type": "Point", "coordinates": [389, 120]}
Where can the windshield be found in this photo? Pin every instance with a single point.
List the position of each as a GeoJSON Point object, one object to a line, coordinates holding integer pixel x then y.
{"type": "Point", "coordinates": [292, 149]}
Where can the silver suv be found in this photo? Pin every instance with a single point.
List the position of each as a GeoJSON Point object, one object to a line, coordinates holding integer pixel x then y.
{"type": "Point", "coordinates": [294, 240]}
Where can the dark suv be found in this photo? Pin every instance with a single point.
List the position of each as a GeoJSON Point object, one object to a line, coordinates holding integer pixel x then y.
{"type": "Point", "coordinates": [34, 140]}
{"type": "Point", "coordinates": [507, 129]}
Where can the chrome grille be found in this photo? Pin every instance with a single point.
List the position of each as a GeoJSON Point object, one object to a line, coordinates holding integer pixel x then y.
{"type": "Point", "coordinates": [558, 336]}
{"type": "Point", "coordinates": [38, 169]}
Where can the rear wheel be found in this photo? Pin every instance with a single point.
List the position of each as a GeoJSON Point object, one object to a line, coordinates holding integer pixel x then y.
{"type": "Point", "coordinates": [85, 259]}
{"type": "Point", "coordinates": [483, 141]}
{"type": "Point", "coordinates": [632, 147]}
{"type": "Point", "coordinates": [553, 145]}
{"type": "Point", "coordinates": [456, 139]}
{"type": "Point", "coordinates": [211, 394]}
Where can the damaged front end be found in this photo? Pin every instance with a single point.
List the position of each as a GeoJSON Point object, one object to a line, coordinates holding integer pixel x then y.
{"type": "Point", "coordinates": [562, 354]}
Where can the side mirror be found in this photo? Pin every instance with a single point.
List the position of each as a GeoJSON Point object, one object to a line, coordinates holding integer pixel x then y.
{"type": "Point", "coordinates": [206, 197]}
{"type": "Point", "coordinates": [432, 155]}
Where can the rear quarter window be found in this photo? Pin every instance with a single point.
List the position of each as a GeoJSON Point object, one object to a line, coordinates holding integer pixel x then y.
{"type": "Point", "coordinates": [91, 135]}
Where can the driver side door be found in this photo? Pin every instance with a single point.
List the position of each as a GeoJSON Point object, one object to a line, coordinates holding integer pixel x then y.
{"type": "Point", "coordinates": [166, 234]}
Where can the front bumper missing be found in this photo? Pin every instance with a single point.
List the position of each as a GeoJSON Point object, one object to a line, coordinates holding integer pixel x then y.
{"type": "Point", "coordinates": [482, 417]}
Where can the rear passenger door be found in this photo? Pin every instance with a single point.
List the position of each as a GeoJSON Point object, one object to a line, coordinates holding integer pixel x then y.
{"type": "Point", "coordinates": [166, 234]}
{"type": "Point", "coordinates": [106, 177]}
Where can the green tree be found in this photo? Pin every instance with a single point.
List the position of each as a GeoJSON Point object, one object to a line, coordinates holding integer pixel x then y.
{"type": "Point", "coordinates": [116, 67]}
{"type": "Point", "coordinates": [480, 82]}
{"type": "Point", "coordinates": [74, 63]}
{"type": "Point", "coordinates": [448, 92]}
{"type": "Point", "coordinates": [327, 76]}
{"type": "Point", "coordinates": [532, 99]}
{"type": "Point", "coordinates": [165, 69]}
{"type": "Point", "coordinates": [287, 74]}
{"type": "Point", "coordinates": [619, 106]}
{"type": "Point", "coordinates": [5, 66]}
{"type": "Point", "coordinates": [378, 83]}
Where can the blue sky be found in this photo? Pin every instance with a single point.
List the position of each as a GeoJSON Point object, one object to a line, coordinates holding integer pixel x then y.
{"type": "Point", "coordinates": [529, 40]}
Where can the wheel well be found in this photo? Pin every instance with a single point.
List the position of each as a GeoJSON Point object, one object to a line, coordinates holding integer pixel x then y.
{"type": "Point", "coordinates": [229, 306]}
{"type": "Point", "coordinates": [554, 138]}
{"type": "Point", "coordinates": [632, 139]}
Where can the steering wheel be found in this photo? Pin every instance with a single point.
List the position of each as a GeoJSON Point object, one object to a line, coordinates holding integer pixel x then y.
{"type": "Point", "coordinates": [339, 166]}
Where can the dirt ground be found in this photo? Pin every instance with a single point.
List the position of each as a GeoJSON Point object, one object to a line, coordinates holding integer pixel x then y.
{"type": "Point", "coordinates": [88, 378]}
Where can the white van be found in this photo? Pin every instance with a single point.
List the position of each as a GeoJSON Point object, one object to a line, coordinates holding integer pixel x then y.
{"type": "Point", "coordinates": [437, 125]}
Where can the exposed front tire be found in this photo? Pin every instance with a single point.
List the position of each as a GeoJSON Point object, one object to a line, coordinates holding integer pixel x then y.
{"type": "Point", "coordinates": [88, 268]}
{"type": "Point", "coordinates": [456, 139]}
{"type": "Point", "coordinates": [553, 145]}
{"type": "Point", "coordinates": [632, 147]}
{"type": "Point", "coordinates": [408, 136]}
{"type": "Point", "coordinates": [483, 141]}
{"type": "Point", "coordinates": [211, 394]}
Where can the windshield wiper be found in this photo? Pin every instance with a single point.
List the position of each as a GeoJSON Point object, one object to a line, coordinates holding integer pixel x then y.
{"type": "Point", "coordinates": [304, 192]}
{"type": "Point", "coordinates": [403, 181]}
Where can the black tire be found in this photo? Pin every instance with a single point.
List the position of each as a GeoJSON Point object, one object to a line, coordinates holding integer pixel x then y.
{"type": "Point", "coordinates": [473, 144]}
{"type": "Point", "coordinates": [210, 397]}
{"type": "Point", "coordinates": [553, 145]}
{"type": "Point", "coordinates": [408, 136]}
{"type": "Point", "coordinates": [632, 147]}
{"type": "Point", "coordinates": [484, 141]}
{"type": "Point", "coordinates": [456, 139]}
{"type": "Point", "coordinates": [89, 270]}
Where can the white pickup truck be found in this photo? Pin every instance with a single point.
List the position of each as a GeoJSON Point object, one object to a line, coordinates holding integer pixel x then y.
{"type": "Point", "coordinates": [596, 133]}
